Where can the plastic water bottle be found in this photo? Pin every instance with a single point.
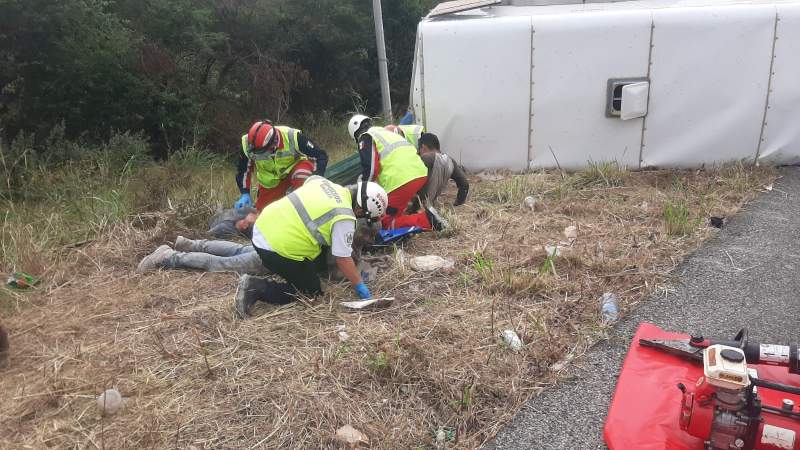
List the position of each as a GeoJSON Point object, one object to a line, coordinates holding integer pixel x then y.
{"type": "Point", "coordinates": [608, 307]}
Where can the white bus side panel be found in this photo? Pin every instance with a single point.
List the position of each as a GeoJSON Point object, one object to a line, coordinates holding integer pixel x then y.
{"type": "Point", "coordinates": [709, 75]}
{"type": "Point", "coordinates": [781, 143]}
{"type": "Point", "coordinates": [574, 56]}
{"type": "Point", "coordinates": [477, 89]}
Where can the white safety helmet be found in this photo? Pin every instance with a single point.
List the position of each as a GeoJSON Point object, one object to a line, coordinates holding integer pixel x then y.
{"type": "Point", "coordinates": [355, 124]}
{"type": "Point", "coordinates": [374, 197]}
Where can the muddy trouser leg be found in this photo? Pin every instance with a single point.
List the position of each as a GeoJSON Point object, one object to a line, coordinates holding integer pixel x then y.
{"type": "Point", "coordinates": [220, 248]}
{"type": "Point", "coordinates": [301, 278]}
{"type": "Point", "coordinates": [243, 259]}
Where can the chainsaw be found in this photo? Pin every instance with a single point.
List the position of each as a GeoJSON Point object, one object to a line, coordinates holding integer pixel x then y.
{"type": "Point", "coordinates": [724, 407]}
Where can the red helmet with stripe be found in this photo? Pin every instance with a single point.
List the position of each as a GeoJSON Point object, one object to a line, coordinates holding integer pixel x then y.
{"type": "Point", "coordinates": [261, 136]}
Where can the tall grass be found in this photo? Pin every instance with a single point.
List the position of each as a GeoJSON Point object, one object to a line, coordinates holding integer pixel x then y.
{"type": "Point", "coordinates": [601, 174]}
{"type": "Point", "coordinates": [57, 192]}
{"type": "Point", "coordinates": [676, 219]}
{"type": "Point", "coordinates": [50, 201]}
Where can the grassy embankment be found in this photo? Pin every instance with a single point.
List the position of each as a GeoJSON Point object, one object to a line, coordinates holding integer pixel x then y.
{"type": "Point", "coordinates": [431, 371]}
{"type": "Point", "coordinates": [73, 193]}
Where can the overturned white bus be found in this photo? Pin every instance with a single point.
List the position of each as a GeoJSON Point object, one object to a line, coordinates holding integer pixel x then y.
{"type": "Point", "coordinates": [648, 83]}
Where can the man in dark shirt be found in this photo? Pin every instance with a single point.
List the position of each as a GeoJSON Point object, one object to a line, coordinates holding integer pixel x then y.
{"type": "Point", "coordinates": [441, 168]}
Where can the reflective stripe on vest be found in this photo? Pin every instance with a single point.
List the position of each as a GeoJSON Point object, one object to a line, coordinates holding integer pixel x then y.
{"type": "Point", "coordinates": [271, 168]}
{"type": "Point", "coordinates": [313, 225]}
{"type": "Point", "coordinates": [399, 160]}
{"type": "Point", "coordinates": [298, 225]}
{"type": "Point", "coordinates": [412, 133]}
{"type": "Point", "coordinates": [386, 147]}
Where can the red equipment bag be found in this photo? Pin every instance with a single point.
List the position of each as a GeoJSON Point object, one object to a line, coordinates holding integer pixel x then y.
{"type": "Point", "coordinates": [646, 407]}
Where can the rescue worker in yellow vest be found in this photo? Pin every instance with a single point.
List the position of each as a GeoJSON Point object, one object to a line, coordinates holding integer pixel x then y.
{"type": "Point", "coordinates": [393, 163]}
{"type": "Point", "coordinates": [289, 236]}
{"type": "Point", "coordinates": [281, 158]}
{"type": "Point", "coordinates": [412, 133]}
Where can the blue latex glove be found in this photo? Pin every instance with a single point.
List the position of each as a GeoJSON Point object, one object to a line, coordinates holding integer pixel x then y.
{"type": "Point", "coordinates": [363, 291]}
{"type": "Point", "coordinates": [244, 201]}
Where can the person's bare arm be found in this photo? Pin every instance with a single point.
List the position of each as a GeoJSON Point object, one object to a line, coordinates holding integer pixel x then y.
{"type": "Point", "coordinates": [348, 268]}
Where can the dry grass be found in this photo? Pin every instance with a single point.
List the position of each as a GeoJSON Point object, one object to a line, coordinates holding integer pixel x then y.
{"type": "Point", "coordinates": [196, 377]}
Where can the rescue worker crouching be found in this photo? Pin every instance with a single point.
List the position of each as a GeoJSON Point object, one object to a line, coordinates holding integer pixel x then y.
{"type": "Point", "coordinates": [411, 133]}
{"type": "Point", "coordinates": [280, 157]}
{"type": "Point", "coordinates": [394, 164]}
{"type": "Point", "coordinates": [290, 233]}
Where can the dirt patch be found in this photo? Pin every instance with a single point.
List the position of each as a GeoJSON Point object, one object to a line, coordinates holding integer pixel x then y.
{"type": "Point", "coordinates": [429, 371]}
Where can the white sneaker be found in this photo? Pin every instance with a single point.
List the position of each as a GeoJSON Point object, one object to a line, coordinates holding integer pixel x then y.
{"type": "Point", "coordinates": [156, 259]}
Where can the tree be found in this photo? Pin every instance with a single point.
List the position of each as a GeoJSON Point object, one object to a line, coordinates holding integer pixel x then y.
{"type": "Point", "coordinates": [193, 70]}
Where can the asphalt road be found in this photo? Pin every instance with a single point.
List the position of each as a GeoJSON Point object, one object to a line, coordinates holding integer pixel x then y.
{"type": "Point", "coordinates": [746, 276]}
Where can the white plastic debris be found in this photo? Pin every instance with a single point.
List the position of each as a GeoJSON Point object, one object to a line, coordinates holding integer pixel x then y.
{"type": "Point", "coordinates": [513, 341]}
{"type": "Point", "coordinates": [109, 402]}
{"type": "Point", "coordinates": [530, 202]}
{"type": "Point", "coordinates": [552, 250]}
{"type": "Point", "coordinates": [349, 435]}
{"type": "Point", "coordinates": [343, 336]}
{"type": "Point", "coordinates": [374, 302]}
{"type": "Point", "coordinates": [441, 436]}
{"type": "Point", "coordinates": [608, 307]}
{"type": "Point", "coordinates": [571, 233]}
{"type": "Point", "coordinates": [768, 187]}
{"type": "Point", "coordinates": [429, 263]}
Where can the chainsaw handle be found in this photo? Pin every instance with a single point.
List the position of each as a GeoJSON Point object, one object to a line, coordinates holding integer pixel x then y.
{"type": "Point", "coordinates": [752, 351]}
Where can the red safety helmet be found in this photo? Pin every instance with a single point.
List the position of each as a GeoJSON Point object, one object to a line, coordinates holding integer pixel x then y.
{"type": "Point", "coordinates": [261, 137]}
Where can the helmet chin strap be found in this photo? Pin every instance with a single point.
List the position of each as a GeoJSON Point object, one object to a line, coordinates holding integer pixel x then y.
{"type": "Point", "coordinates": [365, 125]}
{"type": "Point", "coordinates": [364, 200]}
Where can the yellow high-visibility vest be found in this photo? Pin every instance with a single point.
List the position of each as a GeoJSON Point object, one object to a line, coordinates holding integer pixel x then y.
{"type": "Point", "coordinates": [271, 168]}
{"type": "Point", "coordinates": [412, 133]}
{"type": "Point", "coordinates": [399, 160]}
{"type": "Point", "coordinates": [298, 225]}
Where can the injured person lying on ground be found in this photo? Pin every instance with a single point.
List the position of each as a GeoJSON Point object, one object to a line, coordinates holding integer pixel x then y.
{"type": "Point", "coordinates": [228, 256]}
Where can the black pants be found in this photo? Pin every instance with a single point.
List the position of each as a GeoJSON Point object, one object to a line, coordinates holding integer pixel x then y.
{"type": "Point", "coordinates": [301, 277]}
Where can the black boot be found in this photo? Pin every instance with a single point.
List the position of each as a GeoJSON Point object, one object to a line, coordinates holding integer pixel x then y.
{"type": "Point", "coordinates": [251, 289]}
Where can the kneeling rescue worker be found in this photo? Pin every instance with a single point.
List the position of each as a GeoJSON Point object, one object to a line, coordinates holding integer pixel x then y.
{"type": "Point", "coordinates": [393, 162]}
{"type": "Point", "coordinates": [412, 133]}
{"type": "Point", "coordinates": [289, 236]}
{"type": "Point", "coordinates": [281, 157]}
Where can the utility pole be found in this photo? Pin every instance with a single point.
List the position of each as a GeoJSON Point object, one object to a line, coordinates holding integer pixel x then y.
{"type": "Point", "coordinates": [382, 67]}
